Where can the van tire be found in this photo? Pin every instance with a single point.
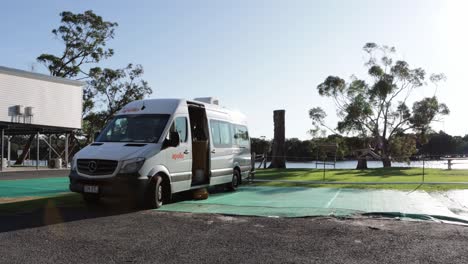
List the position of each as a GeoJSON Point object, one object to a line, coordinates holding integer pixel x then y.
{"type": "Point", "coordinates": [91, 199]}
{"type": "Point", "coordinates": [232, 186]}
{"type": "Point", "coordinates": [155, 193]}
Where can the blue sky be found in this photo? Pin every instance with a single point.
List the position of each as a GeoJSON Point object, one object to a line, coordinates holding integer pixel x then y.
{"type": "Point", "coordinates": [257, 56]}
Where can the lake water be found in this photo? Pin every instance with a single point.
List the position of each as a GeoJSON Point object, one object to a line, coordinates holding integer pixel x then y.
{"type": "Point", "coordinates": [351, 164]}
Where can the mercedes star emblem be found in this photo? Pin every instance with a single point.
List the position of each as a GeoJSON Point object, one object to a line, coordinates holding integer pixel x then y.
{"type": "Point", "coordinates": [92, 166]}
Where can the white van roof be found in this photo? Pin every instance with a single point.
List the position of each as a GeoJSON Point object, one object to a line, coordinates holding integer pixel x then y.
{"type": "Point", "coordinates": [177, 105]}
{"type": "Point", "coordinates": [151, 106]}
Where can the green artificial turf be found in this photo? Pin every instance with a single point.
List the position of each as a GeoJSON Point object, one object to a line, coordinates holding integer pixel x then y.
{"type": "Point", "coordinates": [39, 187]}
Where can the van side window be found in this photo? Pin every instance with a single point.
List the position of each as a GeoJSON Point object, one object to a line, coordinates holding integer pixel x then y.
{"type": "Point", "coordinates": [221, 134]}
{"type": "Point", "coordinates": [215, 133]}
{"type": "Point", "coordinates": [180, 125]}
{"type": "Point", "coordinates": [241, 136]}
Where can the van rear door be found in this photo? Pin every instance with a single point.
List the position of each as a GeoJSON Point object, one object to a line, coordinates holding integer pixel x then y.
{"type": "Point", "coordinates": [242, 143]}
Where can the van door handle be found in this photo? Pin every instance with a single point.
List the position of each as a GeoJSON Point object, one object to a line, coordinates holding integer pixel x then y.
{"type": "Point", "coordinates": [186, 152]}
{"type": "Point", "coordinates": [213, 151]}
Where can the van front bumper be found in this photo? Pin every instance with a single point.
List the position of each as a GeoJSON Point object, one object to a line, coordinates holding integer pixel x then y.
{"type": "Point", "coordinates": [119, 185]}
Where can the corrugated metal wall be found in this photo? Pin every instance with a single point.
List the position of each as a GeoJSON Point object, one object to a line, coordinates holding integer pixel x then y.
{"type": "Point", "coordinates": [54, 104]}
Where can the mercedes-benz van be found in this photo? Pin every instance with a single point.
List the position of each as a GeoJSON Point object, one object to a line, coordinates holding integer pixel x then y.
{"type": "Point", "coordinates": [154, 148]}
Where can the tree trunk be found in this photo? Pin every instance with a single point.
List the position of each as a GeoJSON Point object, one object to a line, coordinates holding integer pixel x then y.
{"type": "Point", "coordinates": [386, 161]}
{"type": "Point", "coordinates": [278, 148]}
{"type": "Point", "coordinates": [26, 148]}
{"type": "Point", "coordinates": [361, 164]}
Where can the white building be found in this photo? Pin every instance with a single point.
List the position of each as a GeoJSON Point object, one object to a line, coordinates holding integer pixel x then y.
{"type": "Point", "coordinates": [32, 103]}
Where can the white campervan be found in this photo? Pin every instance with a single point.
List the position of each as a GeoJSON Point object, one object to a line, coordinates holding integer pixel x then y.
{"type": "Point", "coordinates": [154, 148]}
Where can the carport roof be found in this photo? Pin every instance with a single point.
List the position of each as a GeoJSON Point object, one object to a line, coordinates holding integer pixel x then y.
{"type": "Point", "coordinates": [28, 129]}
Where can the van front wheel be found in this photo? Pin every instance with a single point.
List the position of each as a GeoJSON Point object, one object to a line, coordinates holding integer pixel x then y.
{"type": "Point", "coordinates": [155, 192]}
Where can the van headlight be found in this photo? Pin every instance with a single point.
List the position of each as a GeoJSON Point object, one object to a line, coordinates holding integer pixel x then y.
{"type": "Point", "coordinates": [132, 165]}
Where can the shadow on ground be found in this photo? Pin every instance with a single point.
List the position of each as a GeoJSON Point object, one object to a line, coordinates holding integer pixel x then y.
{"type": "Point", "coordinates": [375, 172]}
{"type": "Point", "coordinates": [384, 172]}
{"type": "Point", "coordinates": [55, 210]}
{"type": "Point", "coordinates": [38, 212]}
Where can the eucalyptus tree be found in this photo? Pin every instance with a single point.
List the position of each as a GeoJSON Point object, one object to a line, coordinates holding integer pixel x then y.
{"type": "Point", "coordinates": [85, 37]}
{"type": "Point", "coordinates": [377, 107]}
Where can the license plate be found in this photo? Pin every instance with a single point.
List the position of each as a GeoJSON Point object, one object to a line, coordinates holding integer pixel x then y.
{"type": "Point", "coordinates": [91, 189]}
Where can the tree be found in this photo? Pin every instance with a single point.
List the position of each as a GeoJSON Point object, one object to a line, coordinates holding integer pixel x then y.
{"type": "Point", "coordinates": [298, 150]}
{"type": "Point", "coordinates": [260, 145]}
{"type": "Point", "coordinates": [278, 159]}
{"type": "Point", "coordinates": [440, 144]}
{"type": "Point", "coordinates": [377, 107]}
{"type": "Point", "coordinates": [85, 36]}
{"type": "Point", "coordinates": [402, 147]}
{"type": "Point", "coordinates": [113, 89]}
{"type": "Point", "coordinates": [318, 116]}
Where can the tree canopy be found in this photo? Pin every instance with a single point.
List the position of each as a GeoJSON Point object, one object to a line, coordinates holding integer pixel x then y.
{"type": "Point", "coordinates": [85, 36]}
{"type": "Point", "coordinates": [378, 105]}
{"type": "Point", "coordinates": [114, 89]}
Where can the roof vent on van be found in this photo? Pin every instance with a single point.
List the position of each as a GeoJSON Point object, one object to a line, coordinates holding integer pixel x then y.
{"type": "Point", "coordinates": [208, 100]}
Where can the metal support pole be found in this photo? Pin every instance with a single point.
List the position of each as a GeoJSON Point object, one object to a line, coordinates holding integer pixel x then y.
{"type": "Point", "coordinates": [37, 150]}
{"type": "Point", "coordinates": [1, 148]}
{"type": "Point", "coordinates": [252, 161]}
{"type": "Point", "coordinates": [9, 151]}
{"type": "Point", "coordinates": [50, 149]}
{"type": "Point", "coordinates": [323, 171]}
{"type": "Point", "coordinates": [252, 166]}
{"type": "Point", "coordinates": [423, 168]}
{"type": "Point", "coordinates": [66, 150]}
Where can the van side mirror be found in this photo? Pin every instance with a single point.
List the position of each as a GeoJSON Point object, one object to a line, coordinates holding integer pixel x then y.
{"type": "Point", "coordinates": [96, 135]}
{"type": "Point", "coordinates": [174, 139]}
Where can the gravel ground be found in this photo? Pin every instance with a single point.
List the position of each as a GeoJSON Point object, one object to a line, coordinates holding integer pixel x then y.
{"type": "Point", "coordinates": [122, 236]}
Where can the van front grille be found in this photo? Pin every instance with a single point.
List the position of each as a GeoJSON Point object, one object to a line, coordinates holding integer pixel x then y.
{"type": "Point", "coordinates": [96, 166]}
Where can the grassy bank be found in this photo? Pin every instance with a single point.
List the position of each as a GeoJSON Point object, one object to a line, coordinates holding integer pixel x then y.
{"type": "Point", "coordinates": [383, 175]}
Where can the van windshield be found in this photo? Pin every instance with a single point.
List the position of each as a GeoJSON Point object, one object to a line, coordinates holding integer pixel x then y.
{"type": "Point", "coordinates": [134, 128]}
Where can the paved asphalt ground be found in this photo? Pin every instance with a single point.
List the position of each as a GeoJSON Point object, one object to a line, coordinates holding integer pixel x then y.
{"type": "Point", "coordinates": [112, 234]}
